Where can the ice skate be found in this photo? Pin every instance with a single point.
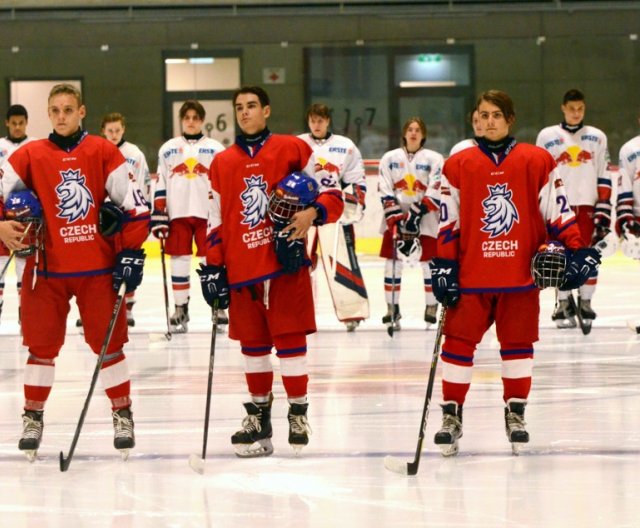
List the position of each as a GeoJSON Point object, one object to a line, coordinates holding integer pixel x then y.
{"type": "Point", "coordinates": [564, 315]}
{"type": "Point", "coordinates": [254, 439]}
{"type": "Point", "coordinates": [447, 437]}
{"type": "Point", "coordinates": [79, 326]}
{"type": "Point", "coordinates": [431, 314]}
{"type": "Point", "coordinates": [32, 426]}
{"type": "Point", "coordinates": [587, 315]}
{"type": "Point", "coordinates": [124, 438]}
{"type": "Point", "coordinates": [351, 325]}
{"type": "Point", "coordinates": [130, 320]}
{"type": "Point", "coordinates": [299, 428]}
{"type": "Point", "coordinates": [392, 319]}
{"type": "Point", "coordinates": [515, 424]}
{"type": "Point", "coordinates": [178, 321]}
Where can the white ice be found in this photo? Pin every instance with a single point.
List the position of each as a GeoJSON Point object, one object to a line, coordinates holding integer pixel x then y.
{"type": "Point", "coordinates": [581, 468]}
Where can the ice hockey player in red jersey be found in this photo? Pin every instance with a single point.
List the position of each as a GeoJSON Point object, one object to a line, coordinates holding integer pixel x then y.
{"type": "Point", "coordinates": [500, 201]}
{"type": "Point", "coordinates": [259, 268]}
{"type": "Point", "coordinates": [73, 173]}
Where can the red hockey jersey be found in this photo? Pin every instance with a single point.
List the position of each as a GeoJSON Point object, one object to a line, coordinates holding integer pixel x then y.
{"type": "Point", "coordinates": [71, 187]}
{"type": "Point", "coordinates": [240, 233]}
{"type": "Point", "coordinates": [494, 216]}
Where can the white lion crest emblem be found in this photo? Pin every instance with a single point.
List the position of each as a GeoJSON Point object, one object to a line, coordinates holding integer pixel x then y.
{"type": "Point", "coordinates": [75, 198]}
{"type": "Point", "coordinates": [255, 201]}
{"type": "Point", "coordinates": [500, 212]}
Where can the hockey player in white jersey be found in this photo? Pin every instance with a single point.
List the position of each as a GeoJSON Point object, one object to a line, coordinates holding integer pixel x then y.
{"type": "Point", "coordinates": [16, 122]}
{"type": "Point", "coordinates": [181, 203]}
{"type": "Point", "coordinates": [409, 179]}
{"type": "Point", "coordinates": [628, 202]}
{"type": "Point", "coordinates": [581, 154]}
{"type": "Point", "coordinates": [342, 165]}
{"type": "Point", "coordinates": [478, 131]}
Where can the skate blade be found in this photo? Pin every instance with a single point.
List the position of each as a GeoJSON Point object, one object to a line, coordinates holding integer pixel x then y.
{"type": "Point", "coordinates": [261, 448]}
{"type": "Point", "coordinates": [516, 447]}
{"type": "Point", "coordinates": [566, 323]}
{"type": "Point", "coordinates": [449, 450]}
{"type": "Point", "coordinates": [124, 453]}
{"type": "Point", "coordinates": [31, 455]}
{"type": "Point", "coordinates": [179, 329]}
{"type": "Point", "coordinates": [297, 449]}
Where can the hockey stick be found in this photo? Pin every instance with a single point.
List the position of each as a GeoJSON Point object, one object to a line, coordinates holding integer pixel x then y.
{"type": "Point", "coordinates": [24, 234]}
{"type": "Point", "coordinates": [166, 290]}
{"type": "Point", "coordinates": [394, 263]}
{"type": "Point", "coordinates": [64, 462]}
{"type": "Point", "coordinates": [411, 468]}
{"type": "Point", "coordinates": [196, 462]}
{"type": "Point", "coordinates": [586, 328]}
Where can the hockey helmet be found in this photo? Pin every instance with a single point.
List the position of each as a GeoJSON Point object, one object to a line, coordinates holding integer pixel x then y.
{"type": "Point", "coordinates": [414, 254]}
{"type": "Point", "coordinates": [24, 206]}
{"type": "Point", "coordinates": [631, 243]}
{"type": "Point", "coordinates": [608, 244]}
{"type": "Point", "coordinates": [548, 265]}
{"type": "Point", "coordinates": [292, 194]}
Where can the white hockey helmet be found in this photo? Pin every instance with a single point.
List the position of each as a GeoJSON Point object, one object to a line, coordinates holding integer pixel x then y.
{"type": "Point", "coordinates": [415, 253]}
{"type": "Point", "coordinates": [630, 244]}
{"type": "Point", "coordinates": [548, 265]}
{"type": "Point", "coordinates": [608, 245]}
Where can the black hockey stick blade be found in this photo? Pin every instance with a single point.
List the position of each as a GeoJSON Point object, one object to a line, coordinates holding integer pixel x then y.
{"type": "Point", "coordinates": [584, 327]}
{"type": "Point", "coordinates": [390, 330]}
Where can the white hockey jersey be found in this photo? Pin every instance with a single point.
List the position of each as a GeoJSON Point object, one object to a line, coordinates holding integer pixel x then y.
{"type": "Point", "coordinates": [138, 167]}
{"type": "Point", "coordinates": [582, 162]}
{"type": "Point", "coordinates": [7, 147]}
{"type": "Point", "coordinates": [183, 187]}
{"type": "Point", "coordinates": [628, 204]}
{"type": "Point", "coordinates": [407, 178]}
{"type": "Point", "coordinates": [461, 145]}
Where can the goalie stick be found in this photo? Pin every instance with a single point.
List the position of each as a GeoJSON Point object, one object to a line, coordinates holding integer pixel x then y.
{"type": "Point", "coordinates": [64, 462]}
{"type": "Point", "coordinates": [411, 468]}
{"type": "Point", "coordinates": [195, 462]}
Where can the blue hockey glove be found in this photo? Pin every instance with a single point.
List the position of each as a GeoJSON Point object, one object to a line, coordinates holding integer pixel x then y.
{"type": "Point", "coordinates": [159, 224]}
{"type": "Point", "coordinates": [444, 281]}
{"type": "Point", "coordinates": [582, 264]}
{"type": "Point", "coordinates": [416, 212]}
{"type": "Point", "coordinates": [215, 286]}
{"type": "Point", "coordinates": [290, 253]}
{"type": "Point", "coordinates": [128, 269]}
{"type": "Point", "coordinates": [110, 219]}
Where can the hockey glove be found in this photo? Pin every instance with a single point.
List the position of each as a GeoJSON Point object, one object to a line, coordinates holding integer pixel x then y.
{"type": "Point", "coordinates": [159, 224]}
{"type": "Point", "coordinates": [444, 281]}
{"type": "Point", "coordinates": [290, 253]}
{"type": "Point", "coordinates": [215, 286]}
{"type": "Point", "coordinates": [416, 212]}
{"type": "Point", "coordinates": [128, 269]}
{"type": "Point", "coordinates": [392, 212]}
{"type": "Point", "coordinates": [582, 264]}
{"type": "Point", "coordinates": [110, 219]}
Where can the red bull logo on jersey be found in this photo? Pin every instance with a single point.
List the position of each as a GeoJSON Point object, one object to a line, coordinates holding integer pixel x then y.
{"type": "Point", "coordinates": [410, 186]}
{"type": "Point", "coordinates": [74, 198]}
{"type": "Point", "coordinates": [190, 168]}
{"type": "Point", "coordinates": [574, 156]}
{"type": "Point", "coordinates": [254, 201]}
{"type": "Point", "coordinates": [500, 211]}
{"type": "Point", "coordinates": [323, 164]}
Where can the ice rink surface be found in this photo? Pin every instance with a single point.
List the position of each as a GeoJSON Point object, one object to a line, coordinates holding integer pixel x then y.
{"type": "Point", "coordinates": [581, 468]}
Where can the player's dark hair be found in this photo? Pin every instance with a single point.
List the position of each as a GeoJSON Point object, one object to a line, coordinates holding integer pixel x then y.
{"type": "Point", "coordinates": [67, 89]}
{"type": "Point", "coordinates": [113, 117]}
{"type": "Point", "coordinates": [501, 100]}
{"type": "Point", "coordinates": [407, 124]}
{"type": "Point", "coordinates": [318, 109]}
{"type": "Point", "coordinates": [263, 97]}
{"type": "Point", "coordinates": [572, 95]}
{"type": "Point", "coordinates": [192, 104]}
{"type": "Point", "coordinates": [17, 110]}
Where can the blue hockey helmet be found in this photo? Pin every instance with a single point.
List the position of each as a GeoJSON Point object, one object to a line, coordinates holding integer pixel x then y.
{"type": "Point", "coordinates": [292, 194]}
{"type": "Point", "coordinates": [24, 207]}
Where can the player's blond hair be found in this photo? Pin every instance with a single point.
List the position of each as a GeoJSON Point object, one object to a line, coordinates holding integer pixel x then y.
{"type": "Point", "coordinates": [68, 89]}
